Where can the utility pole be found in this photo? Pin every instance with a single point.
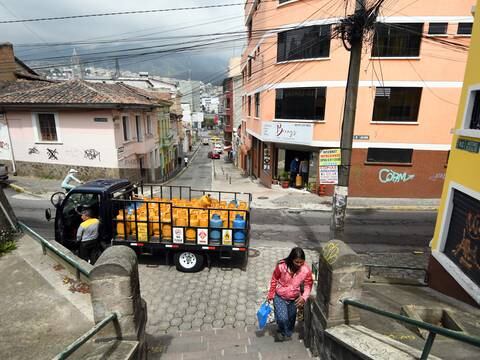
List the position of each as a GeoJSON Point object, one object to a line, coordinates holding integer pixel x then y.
{"type": "Point", "coordinates": [339, 203]}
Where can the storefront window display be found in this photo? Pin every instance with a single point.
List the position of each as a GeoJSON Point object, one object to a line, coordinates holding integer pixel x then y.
{"type": "Point", "coordinates": [266, 158]}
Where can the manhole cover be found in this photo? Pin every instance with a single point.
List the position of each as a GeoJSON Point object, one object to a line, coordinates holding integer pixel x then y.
{"type": "Point", "coordinates": [262, 198]}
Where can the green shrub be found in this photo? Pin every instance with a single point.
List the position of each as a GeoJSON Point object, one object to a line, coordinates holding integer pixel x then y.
{"type": "Point", "coordinates": [7, 241]}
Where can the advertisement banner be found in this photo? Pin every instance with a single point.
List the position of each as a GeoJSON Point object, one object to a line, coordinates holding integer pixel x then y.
{"type": "Point", "coordinates": [330, 157]}
{"type": "Point", "coordinates": [328, 174]}
{"type": "Point", "coordinates": [287, 132]}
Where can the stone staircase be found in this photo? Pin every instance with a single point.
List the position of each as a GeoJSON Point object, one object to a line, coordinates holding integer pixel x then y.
{"type": "Point", "coordinates": [245, 343]}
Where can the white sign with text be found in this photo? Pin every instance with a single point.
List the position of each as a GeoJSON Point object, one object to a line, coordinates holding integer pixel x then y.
{"type": "Point", "coordinates": [287, 132]}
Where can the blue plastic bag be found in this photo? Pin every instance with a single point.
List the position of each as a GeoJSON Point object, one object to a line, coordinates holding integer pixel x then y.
{"type": "Point", "coordinates": [262, 314]}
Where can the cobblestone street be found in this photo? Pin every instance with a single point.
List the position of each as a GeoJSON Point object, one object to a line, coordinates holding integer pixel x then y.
{"type": "Point", "coordinates": [215, 298]}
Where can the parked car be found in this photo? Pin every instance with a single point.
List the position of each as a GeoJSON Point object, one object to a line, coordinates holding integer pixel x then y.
{"type": "Point", "coordinates": [3, 172]}
{"type": "Point", "coordinates": [218, 148]}
{"type": "Point", "coordinates": [205, 141]}
{"type": "Point", "coordinates": [213, 155]}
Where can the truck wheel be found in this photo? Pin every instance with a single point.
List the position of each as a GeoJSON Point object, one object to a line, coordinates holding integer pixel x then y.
{"type": "Point", "coordinates": [186, 261]}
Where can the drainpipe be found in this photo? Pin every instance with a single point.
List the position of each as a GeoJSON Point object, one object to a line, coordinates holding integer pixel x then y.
{"type": "Point", "coordinates": [12, 156]}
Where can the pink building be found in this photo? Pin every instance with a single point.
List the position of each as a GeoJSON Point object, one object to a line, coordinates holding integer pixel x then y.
{"type": "Point", "coordinates": [294, 77]}
{"type": "Point", "coordinates": [102, 130]}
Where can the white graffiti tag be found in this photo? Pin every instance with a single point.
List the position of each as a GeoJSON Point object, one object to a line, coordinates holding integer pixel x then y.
{"type": "Point", "coordinates": [389, 176]}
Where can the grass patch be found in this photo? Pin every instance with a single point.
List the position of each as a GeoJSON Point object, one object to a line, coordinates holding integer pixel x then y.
{"type": "Point", "coordinates": [7, 241]}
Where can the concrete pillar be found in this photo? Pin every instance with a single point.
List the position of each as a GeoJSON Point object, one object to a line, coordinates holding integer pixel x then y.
{"type": "Point", "coordinates": [340, 275]}
{"type": "Point", "coordinates": [115, 287]}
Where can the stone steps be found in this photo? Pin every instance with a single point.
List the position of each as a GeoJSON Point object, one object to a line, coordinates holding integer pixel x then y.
{"type": "Point", "coordinates": [245, 344]}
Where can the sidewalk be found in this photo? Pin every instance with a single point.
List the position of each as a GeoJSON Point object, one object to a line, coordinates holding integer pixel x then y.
{"type": "Point", "coordinates": [40, 313]}
{"type": "Point", "coordinates": [229, 178]}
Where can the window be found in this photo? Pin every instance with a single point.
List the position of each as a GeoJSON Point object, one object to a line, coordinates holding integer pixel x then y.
{"type": "Point", "coordinates": [283, 1]}
{"type": "Point", "coordinates": [475, 118]}
{"type": "Point", "coordinates": [126, 128]}
{"type": "Point", "coordinates": [99, 119]}
{"type": "Point", "coordinates": [382, 155]}
{"type": "Point", "coordinates": [249, 105]}
{"type": "Point", "coordinates": [396, 104]}
{"type": "Point", "coordinates": [397, 40]}
{"type": "Point", "coordinates": [47, 127]}
{"type": "Point", "coordinates": [257, 105]}
{"type": "Point", "coordinates": [249, 27]}
{"type": "Point", "coordinates": [249, 67]}
{"type": "Point", "coordinates": [138, 127]}
{"type": "Point", "coordinates": [228, 103]}
{"type": "Point", "coordinates": [305, 43]}
{"type": "Point", "coordinates": [464, 29]}
{"type": "Point", "coordinates": [437, 28]}
{"type": "Point", "coordinates": [149, 125]}
{"type": "Point", "coordinates": [300, 103]}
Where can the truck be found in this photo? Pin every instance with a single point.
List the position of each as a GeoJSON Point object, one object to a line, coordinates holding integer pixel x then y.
{"type": "Point", "coordinates": [189, 226]}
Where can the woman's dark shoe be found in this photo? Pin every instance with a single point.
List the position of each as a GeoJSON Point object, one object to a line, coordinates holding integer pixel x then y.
{"type": "Point", "coordinates": [279, 337]}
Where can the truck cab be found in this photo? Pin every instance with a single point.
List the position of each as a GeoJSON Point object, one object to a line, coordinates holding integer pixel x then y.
{"type": "Point", "coordinates": [95, 195]}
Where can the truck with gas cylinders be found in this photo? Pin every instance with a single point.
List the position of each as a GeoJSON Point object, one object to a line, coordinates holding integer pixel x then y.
{"type": "Point", "coordinates": [189, 226]}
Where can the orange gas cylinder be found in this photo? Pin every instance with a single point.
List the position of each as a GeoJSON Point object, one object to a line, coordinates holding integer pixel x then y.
{"type": "Point", "coordinates": [191, 235]}
{"type": "Point", "coordinates": [142, 228]}
{"type": "Point", "coordinates": [205, 201]}
{"type": "Point", "coordinates": [154, 226]}
{"type": "Point", "coordinates": [298, 181]}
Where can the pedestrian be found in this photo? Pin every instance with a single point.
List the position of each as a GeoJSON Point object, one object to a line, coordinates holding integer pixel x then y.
{"type": "Point", "coordinates": [293, 170]}
{"type": "Point", "coordinates": [185, 161]}
{"type": "Point", "coordinates": [87, 235]}
{"type": "Point", "coordinates": [70, 176]}
{"type": "Point", "coordinates": [304, 172]}
{"type": "Point", "coordinates": [285, 291]}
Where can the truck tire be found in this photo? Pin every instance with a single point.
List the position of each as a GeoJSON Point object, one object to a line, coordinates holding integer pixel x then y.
{"type": "Point", "coordinates": [188, 262]}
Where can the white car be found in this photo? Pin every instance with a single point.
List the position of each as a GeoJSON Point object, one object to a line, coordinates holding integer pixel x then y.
{"type": "Point", "coordinates": [218, 148]}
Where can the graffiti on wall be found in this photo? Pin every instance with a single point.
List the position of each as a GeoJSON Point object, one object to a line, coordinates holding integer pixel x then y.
{"type": "Point", "coordinates": [91, 154]}
{"type": "Point", "coordinates": [4, 145]}
{"type": "Point", "coordinates": [33, 151]}
{"type": "Point", "coordinates": [437, 176]}
{"type": "Point", "coordinates": [52, 154]}
{"type": "Point", "coordinates": [386, 176]}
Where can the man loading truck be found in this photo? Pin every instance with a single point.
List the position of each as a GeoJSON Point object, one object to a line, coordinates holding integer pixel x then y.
{"type": "Point", "coordinates": [87, 235]}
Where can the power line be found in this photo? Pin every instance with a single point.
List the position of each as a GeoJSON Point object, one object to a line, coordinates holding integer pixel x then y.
{"type": "Point", "coordinates": [123, 13]}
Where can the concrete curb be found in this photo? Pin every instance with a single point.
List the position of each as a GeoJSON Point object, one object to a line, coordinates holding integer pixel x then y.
{"type": "Point", "coordinates": [20, 189]}
{"type": "Point", "coordinates": [366, 207]}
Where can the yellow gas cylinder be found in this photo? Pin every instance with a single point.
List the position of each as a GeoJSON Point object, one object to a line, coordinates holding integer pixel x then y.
{"type": "Point", "coordinates": [154, 226]}
{"type": "Point", "coordinates": [142, 228]}
{"type": "Point", "coordinates": [205, 201]}
{"type": "Point", "coordinates": [166, 232]}
{"type": "Point", "coordinates": [222, 204]}
{"type": "Point", "coordinates": [243, 205]}
{"type": "Point", "coordinates": [121, 225]}
{"type": "Point", "coordinates": [298, 181]}
{"type": "Point", "coordinates": [203, 221]}
{"type": "Point", "coordinates": [180, 221]}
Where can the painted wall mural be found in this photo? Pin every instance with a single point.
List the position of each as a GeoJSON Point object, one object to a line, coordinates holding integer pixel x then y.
{"type": "Point", "coordinates": [52, 154]}
{"type": "Point", "coordinates": [33, 151]}
{"type": "Point", "coordinates": [92, 154]}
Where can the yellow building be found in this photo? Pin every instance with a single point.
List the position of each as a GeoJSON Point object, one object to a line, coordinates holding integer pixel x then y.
{"type": "Point", "coordinates": [454, 267]}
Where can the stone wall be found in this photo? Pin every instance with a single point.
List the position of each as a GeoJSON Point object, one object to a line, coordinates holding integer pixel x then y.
{"type": "Point", "coordinates": [340, 275]}
{"type": "Point", "coordinates": [59, 171]}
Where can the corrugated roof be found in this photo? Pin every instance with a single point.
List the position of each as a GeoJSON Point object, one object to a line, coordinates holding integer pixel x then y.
{"type": "Point", "coordinates": [75, 92]}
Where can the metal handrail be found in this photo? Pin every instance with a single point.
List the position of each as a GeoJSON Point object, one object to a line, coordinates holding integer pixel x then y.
{"type": "Point", "coordinates": [432, 329]}
{"type": "Point", "coordinates": [85, 337]}
{"type": "Point", "coordinates": [46, 244]}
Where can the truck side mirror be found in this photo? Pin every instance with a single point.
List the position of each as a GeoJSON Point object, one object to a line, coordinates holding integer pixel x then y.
{"type": "Point", "coordinates": [48, 214]}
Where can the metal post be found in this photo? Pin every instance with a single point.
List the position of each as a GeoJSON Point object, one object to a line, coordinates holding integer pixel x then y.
{"type": "Point", "coordinates": [428, 346]}
{"type": "Point", "coordinates": [339, 203]}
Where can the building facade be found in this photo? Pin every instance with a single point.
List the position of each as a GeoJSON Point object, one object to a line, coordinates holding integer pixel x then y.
{"type": "Point", "coordinates": [454, 266]}
{"type": "Point", "coordinates": [294, 73]}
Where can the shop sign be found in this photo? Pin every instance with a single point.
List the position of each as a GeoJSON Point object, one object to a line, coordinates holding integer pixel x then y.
{"type": "Point", "coordinates": [361, 137]}
{"type": "Point", "coordinates": [463, 237]}
{"type": "Point", "coordinates": [287, 132]}
{"type": "Point", "coordinates": [202, 236]}
{"type": "Point", "coordinates": [178, 235]}
{"type": "Point", "coordinates": [329, 174]}
{"type": "Point", "coordinates": [330, 157]}
{"type": "Point", "coordinates": [468, 145]}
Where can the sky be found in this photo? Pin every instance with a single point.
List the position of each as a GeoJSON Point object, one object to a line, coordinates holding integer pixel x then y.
{"type": "Point", "coordinates": [163, 24]}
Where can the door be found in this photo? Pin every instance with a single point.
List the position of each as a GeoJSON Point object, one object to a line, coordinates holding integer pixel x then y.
{"type": "Point", "coordinates": [69, 217]}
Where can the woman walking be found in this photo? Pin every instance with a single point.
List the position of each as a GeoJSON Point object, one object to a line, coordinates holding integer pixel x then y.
{"type": "Point", "coordinates": [288, 276]}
